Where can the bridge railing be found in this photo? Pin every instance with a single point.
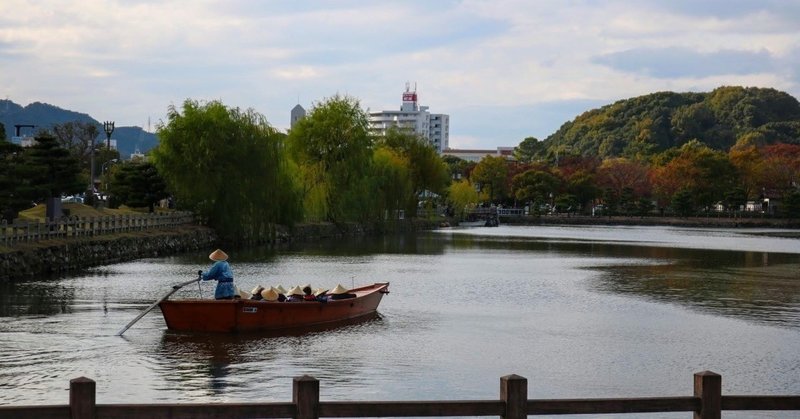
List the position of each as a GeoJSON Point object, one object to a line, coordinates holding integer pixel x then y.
{"type": "Point", "coordinates": [74, 226]}
{"type": "Point", "coordinates": [707, 402]}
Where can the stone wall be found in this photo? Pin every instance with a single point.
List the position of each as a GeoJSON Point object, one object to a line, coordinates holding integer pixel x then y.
{"type": "Point", "coordinates": [56, 257]}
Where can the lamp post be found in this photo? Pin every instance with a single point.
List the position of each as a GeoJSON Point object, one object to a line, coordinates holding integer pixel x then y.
{"type": "Point", "coordinates": [103, 171]}
{"type": "Point", "coordinates": [108, 127]}
{"type": "Point", "coordinates": [91, 165]}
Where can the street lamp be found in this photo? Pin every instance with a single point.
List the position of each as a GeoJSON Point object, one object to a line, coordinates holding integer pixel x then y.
{"type": "Point", "coordinates": [103, 170]}
{"type": "Point", "coordinates": [108, 127]}
{"type": "Point", "coordinates": [91, 166]}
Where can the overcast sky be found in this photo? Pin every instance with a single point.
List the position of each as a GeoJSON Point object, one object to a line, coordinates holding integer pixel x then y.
{"type": "Point", "coordinates": [503, 70]}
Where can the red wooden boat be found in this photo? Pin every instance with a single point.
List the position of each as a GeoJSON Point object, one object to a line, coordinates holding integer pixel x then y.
{"type": "Point", "coordinates": [199, 315]}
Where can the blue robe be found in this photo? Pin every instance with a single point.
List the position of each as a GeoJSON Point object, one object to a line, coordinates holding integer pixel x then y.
{"type": "Point", "coordinates": [221, 272]}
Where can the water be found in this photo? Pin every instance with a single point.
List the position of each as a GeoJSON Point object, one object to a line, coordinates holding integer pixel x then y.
{"type": "Point", "coordinates": [578, 311]}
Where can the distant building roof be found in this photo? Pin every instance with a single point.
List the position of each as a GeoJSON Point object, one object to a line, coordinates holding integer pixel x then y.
{"type": "Point", "coordinates": [478, 155]}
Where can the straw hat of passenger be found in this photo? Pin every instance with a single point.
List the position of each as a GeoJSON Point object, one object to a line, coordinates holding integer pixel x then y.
{"type": "Point", "coordinates": [281, 289]}
{"type": "Point", "coordinates": [218, 255]}
{"type": "Point", "coordinates": [257, 290]}
{"type": "Point", "coordinates": [270, 294]}
{"type": "Point", "coordinates": [296, 291]}
{"type": "Point", "coordinates": [339, 290]}
{"type": "Point", "coordinates": [244, 295]}
{"type": "Point", "coordinates": [319, 291]}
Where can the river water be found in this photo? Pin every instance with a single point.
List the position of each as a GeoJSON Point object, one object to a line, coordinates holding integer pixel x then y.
{"type": "Point", "coordinates": [579, 311]}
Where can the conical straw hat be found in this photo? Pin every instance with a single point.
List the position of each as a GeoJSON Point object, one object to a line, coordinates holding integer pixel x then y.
{"type": "Point", "coordinates": [339, 290]}
{"type": "Point", "coordinates": [296, 291]}
{"type": "Point", "coordinates": [280, 289]}
{"type": "Point", "coordinates": [257, 290]}
{"type": "Point", "coordinates": [270, 294]}
{"type": "Point", "coordinates": [218, 255]}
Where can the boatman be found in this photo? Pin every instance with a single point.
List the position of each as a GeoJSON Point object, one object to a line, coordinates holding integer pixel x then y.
{"type": "Point", "coordinates": [221, 272]}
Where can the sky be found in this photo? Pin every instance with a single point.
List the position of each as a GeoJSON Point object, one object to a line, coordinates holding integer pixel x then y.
{"type": "Point", "coordinates": [503, 70]}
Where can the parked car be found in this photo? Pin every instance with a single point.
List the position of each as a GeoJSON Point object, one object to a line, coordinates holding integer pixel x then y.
{"type": "Point", "coordinates": [72, 199]}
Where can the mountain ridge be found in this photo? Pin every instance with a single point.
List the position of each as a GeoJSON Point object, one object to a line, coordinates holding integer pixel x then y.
{"type": "Point", "coordinates": [45, 116]}
{"type": "Point", "coordinates": [650, 124]}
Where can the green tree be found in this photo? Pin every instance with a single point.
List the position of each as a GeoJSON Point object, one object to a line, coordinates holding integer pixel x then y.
{"type": "Point", "coordinates": [229, 166]}
{"type": "Point", "coordinates": [12, 197]}
{"type": "Point", "coordinates": [528, 150]}
{"type": "Point", "coordinates": [791, 208]}
{"type": "Point", "coordinates": [427, 169]}
{"type": "Point", "coordinates": [50, 170]}
{"type": "Point", "coordinates": [462, 196]}
{"type": "Point", "coordinates": [137, 184]}
{"type": "Point", "coordinates": [333, 148]}
{"type": "Point", "coordinates": [535, 186]}
{"type": "Point", "coordinates": [392, 186]}
{"type": "Point", "coordinates": [682, 203]}
{"type": "Point", "coordinates": [491, 174]}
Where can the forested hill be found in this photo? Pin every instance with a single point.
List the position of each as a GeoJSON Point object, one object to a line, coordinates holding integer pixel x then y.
{"type": "Point", "coordinates": [44, 116]}
{"type": "Point", "coordinates": [645, 125]}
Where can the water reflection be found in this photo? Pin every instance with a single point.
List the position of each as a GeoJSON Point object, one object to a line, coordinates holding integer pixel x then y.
{"type": "Point", "coordinates": [35, 298]}
{"type": "Point", "coordinates": [218, 364]}
{"type": "Point", "coordinates": [756, 286]}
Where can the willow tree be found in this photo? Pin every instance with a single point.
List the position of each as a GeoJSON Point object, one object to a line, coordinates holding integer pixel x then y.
{"type": "Point", "coordinates": [427, 170]}
{"type": "Point", "coordinates": [229, 166]}
{"type": "Point", "coordinates": [333, 150]}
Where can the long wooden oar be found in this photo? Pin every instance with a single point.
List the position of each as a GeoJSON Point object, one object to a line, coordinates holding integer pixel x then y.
{"type": "Point", "coordinates": [174, 288]}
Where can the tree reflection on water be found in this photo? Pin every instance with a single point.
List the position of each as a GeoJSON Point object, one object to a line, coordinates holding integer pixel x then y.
{"type": "Point", "coordinates": [757, 286]}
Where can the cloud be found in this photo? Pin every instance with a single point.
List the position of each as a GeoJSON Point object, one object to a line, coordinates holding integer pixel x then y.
{"type": "Point", "coordinates": [683, 62]}
{"type": "Point", "coordinates": [503, 70]}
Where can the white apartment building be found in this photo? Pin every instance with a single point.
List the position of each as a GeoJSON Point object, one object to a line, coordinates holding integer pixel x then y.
{"type": "Point", "coordinates": [414, 119]}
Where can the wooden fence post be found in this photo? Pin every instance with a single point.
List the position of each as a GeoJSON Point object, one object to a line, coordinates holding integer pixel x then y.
{"type": "Point", "coordinates": [514, 391]}
{"type": "Point", "coordinates": [82, 398]}
{"type": "Point", "coordinates": [708, 387]}
{"type": "Point", "coordinates": [305, 396]}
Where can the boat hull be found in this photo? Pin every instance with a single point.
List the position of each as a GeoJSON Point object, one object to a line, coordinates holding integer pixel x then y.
{"type": "Point", "coordinates": [231, 316]}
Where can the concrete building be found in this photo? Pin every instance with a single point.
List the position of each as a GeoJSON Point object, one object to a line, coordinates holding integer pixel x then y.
{"type": "Point", "coordinates": [478, 155]}
{"type": "Point", "coordinates": [413, 119]}
{"type": "Point", "coordinates": [297, 114]}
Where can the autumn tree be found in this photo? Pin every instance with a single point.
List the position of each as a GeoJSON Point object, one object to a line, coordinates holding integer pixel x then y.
{"type": "Point", "coordinates": [706, 175]}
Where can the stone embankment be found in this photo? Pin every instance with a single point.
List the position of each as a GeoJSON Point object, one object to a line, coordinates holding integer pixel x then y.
{"type": "Point", "coordinates": [56, 257]}
{"type": "Point", "coordinates": [710, 222]}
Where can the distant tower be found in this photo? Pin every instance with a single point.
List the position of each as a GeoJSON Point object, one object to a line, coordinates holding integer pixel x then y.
{"type": "Point", "coordinates": [298, 113]}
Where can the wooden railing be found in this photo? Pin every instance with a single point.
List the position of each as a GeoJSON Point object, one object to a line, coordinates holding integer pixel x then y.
{"type": "Point", "coordinates": [70, 227]}
{"type": "Point", "coordinates": [706, 403]}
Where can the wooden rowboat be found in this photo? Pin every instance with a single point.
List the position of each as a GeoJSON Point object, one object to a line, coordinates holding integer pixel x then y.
{"type": "Point", "coordinates": [226, 316]}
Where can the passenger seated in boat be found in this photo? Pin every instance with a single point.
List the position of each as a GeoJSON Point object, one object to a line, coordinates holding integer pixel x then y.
{"type": "Point", "coordinates": [308, 294]}
{"type": "Point", "coordinates": [256, 293]}
{"type": "Point", "coordinates": [295, 294]}
{"type": "Point", "coordinates": [281, 293]}
{"type": "Point", "coordinates": [270, 294]}
{"type": "Point", "coordinates": [221, 272]}
{"type": "Point", "coordinates": [321, 294]}
{"type": "Point", "coordinates": [340, 293]}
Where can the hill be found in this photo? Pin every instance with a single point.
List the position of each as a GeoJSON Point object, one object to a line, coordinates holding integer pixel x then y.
{"type": "Point", "coordinates": [44, 116]}
{"type": "Point", "coordinates": [649, 124]}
